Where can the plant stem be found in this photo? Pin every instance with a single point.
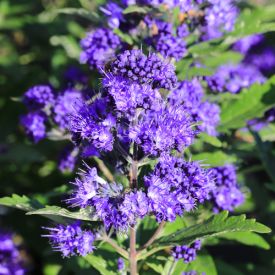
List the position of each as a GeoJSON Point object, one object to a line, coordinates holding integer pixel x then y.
{"type": "Point", "coordinates": [133, 252]}
{"type": "Point", "coordinates": [154, 236]}
{"type": "Point", "coordinates": [133, 185]}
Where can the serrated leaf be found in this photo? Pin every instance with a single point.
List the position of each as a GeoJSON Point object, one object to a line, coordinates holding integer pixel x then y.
{"type": "Point", "coordinates": [135, 9]}
{"type": "Point", "coordinates": [216, 158]}
{"type": "Point", "coordinates": [247, 238]}
{"type": "Point", "coordinates": [56, 211]}
{"type": "Point", "coordinates": [216, 225]}
{"type": "Point", "coordinates": [251, 103]}
{"type": "Point", "coordinates": [99, 264]}
{"type": "Point", "coordinates": [171, 227]}
{"type": "Point", "coordinates": [20, 202]}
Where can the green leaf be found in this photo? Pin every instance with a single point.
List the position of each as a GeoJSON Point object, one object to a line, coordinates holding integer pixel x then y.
{"type": "Point", "coordinates": [56, 211]}
{"type": "Point", "coordinates": [124, 37]}
{"type": "Point", "coordinates": [266, 156]}
{"type": "Point", "coordinates": [247, 238]}
{"type": "Point", "coordinates": [203, 263]}
{"type": "Point", "coordinates": [210, 140]}
{"type": "Point", "coordinates": [90, 15]}
{"type": "Point", "coordinates": [135, 9]}
{"type": "Point", "coordinates": [216, 158]}
{"type": "Point", "coordinates": [251, 103]}
{"type": "Point", "coordinates": [20, 202]}
{"type": "Point", "coordinates": [215, 226]}
{"type": "Point", "coordinates": [99, 264]}
{"type": "Point", "coordinates": [171, 227]}
{"type": "Point", "coordinates": [197, 71]}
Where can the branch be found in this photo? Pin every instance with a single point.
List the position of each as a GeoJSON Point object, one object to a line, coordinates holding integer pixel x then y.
{"type": "Point", "coordinates": [117, 248]}
{"type": "Point", "coordinates": [154, 236]}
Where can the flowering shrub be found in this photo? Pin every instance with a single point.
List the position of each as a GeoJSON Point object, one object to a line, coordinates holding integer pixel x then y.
{"type": "Point", "coordinates": [155, 128]}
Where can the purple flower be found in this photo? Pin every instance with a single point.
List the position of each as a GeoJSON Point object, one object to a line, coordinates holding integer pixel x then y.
{"type": "Point", "coordinates": [113, 13]}
{"type": "Point", "coordinates": [170, 46]}
{"type": "Point", "coordinates": [263, 58]}
{"type": "Point", "coordinates": [208, 116]}
{"type": "Point", "coordinates": [39, 96]}
{"type": "Point", "coordinates": [129, 95]}
{"type": "Point", "coordinates": [120, 264]}
{"type": "Point", "coordinates": [11, 262]}
{"type": "Point", "coordinates": [227, 194]}
{"type": "Point", "coordinates": [187, 253]}
{"type": "Point", "coordinates": [176, 186]}
{"type": "Point", "coordinates": [34, 125]}
{"type": "Point", "coordinates": [145, 69]}
{"type": "Point", "coordinates": [162, 130]}
{"type": "Point", "coordinates": [205, 114]}
{"type": "Point", "coordinates": [93, 124]}
{"type": "Point", "coordinates": [189, 93]}
{"type": "Point", "coordinates": [67, 103]}
{"type": "Point", "coordinates": [71, 240]}
{"type": "Point", "coordinates": [183, 31]}
{"type": "Point", "coordinates": [233, 78]}
{"type": "Point", "coordinates": [99, 47]}
{"type": "Point", "coordinates": [220, 16]}
{"type": "Point", "coordinates": [245, 44]}
{"type": "Point", "coordinates": [67, 159]}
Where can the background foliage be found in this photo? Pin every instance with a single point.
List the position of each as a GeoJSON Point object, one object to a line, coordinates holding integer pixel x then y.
{"type": "Point", "coordinates": [39, 40]}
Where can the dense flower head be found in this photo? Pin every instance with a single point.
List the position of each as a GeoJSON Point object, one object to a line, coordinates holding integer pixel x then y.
{"type": "Point", "coordinates": [11, 262]}
{"type": "Point", "coordinates": [66, 104]}
{"type": "Point", "coordinates": [185, 252]}
{"type": "Point", "coordinates": [233, 78]}
{"type": "Point", "coordinates": [113, 206]}
{"type": "Point", "coordinates": [140, 68]}
{"type": "Point", "coordinates": [220, 16]}
{"type": "Point", "coordinates": [71, 239]}
{"type": "Point", "coordinates": [176, 186]}
{"type": "Point", "coordinates": [157, 131]}
{"type": "Point", "coordinates": [203, 113]}
{"type": "Point", "coordinates": [99, 47]}
{"type": "Point", "coordinates": [170, 46]}
{"type": "Point", "coordinates": [74, 75]}
{"type": "Point", "coordinates": [129, 95]}
{"type": "Point", "coordinates": [38, 96]}
{"type": "Point", "coordinates": [34, 125]}
{"type": "Point", "coordinates": [227, 194]}
{"type": "Point", "coordinates": [68, 159]}
{"type": "Point", "coordinates": [92, 123]}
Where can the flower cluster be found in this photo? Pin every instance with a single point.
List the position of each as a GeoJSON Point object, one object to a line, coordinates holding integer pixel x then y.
{"type": "Point", "coordinates": [99, 47]}
{"type": "Point", "coordinates": [176, 186]}
{"type": "Point", "coordinates": [205, 113]}
{"type": "Point", "coordinates": [233, 78]}
{"type": "Point", "coordinates": [187, 253]}
{"type": "Point", "coordinates": [71, 239]}
{"type": "Point", "coordinates": [10, 259]}
{"type": "Point", "coordinates": [227, 194]}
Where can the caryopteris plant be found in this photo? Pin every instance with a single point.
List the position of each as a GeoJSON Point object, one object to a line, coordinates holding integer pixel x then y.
{"type": "Point", "coordinates": [154, 186]}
